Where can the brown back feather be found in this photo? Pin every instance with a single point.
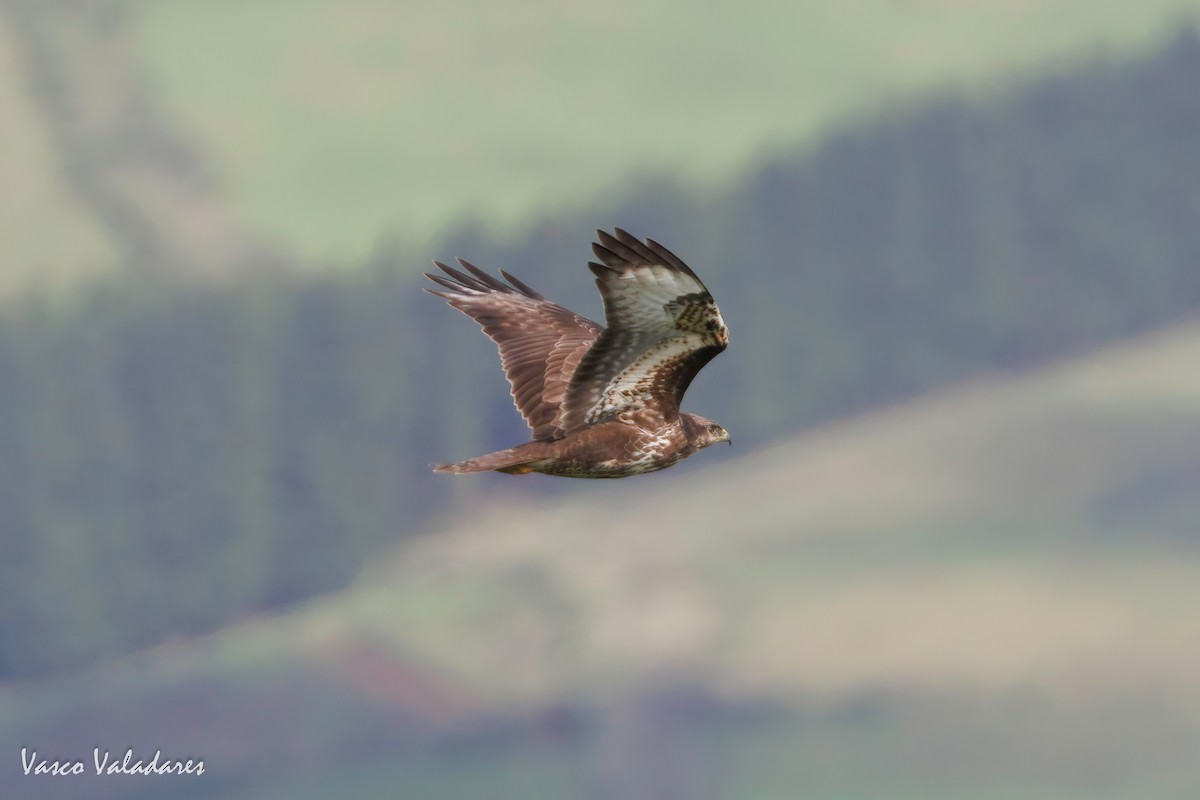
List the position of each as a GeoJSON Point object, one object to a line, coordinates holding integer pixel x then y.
{"type": "Point", "coordinates": [541, 343]}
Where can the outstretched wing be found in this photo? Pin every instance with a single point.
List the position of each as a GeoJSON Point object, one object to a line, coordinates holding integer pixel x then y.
{"type": "Point", "coordinates": [663, 327]}
{"type": "Point", "coordinates": [541, 343]}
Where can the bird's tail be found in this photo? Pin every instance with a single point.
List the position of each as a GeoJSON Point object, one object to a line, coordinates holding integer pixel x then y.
{"type": "Point", "coordinates": [515, 461]}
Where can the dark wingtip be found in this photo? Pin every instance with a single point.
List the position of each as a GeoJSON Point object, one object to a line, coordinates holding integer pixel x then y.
{"type": "Point", "coordinates": [606, 239]}
{"type": "Point", "coordinates": [669, 258]}
{"type": "Point", "coordinates": [473, 279]}
{"type": "Point", "coordinates": [488, 280]}
{"type": "Point", "coordinates": [522, 287]}
{"type": "Point", "coordinates": [599, 270]}
{"type": "Point", "coordinates": [460, 281]}
{"type": "Point", "coordinates": [624, 248]}
{"type": "Point", "coordinates": [627, 238]}
{"type": "Point", "coordinates": [454, 286]}
{"type": "Point", "coordinates": [449, 270]}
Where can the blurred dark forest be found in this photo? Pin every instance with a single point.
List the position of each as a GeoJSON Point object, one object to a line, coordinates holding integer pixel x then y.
{"type": "Point", "coordinates": [173, 455]}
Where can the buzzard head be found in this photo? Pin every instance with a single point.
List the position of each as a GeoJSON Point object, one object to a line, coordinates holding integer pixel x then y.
{"type": "Point", "coordinates": [702, 432]}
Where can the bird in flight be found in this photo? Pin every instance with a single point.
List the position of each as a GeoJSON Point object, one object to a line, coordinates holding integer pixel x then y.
{"type": "Point", "coordinates": [601, 402]}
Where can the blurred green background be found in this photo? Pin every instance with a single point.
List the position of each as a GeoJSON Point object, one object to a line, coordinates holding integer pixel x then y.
{"type": "Point", "coordinates": [953, 553]}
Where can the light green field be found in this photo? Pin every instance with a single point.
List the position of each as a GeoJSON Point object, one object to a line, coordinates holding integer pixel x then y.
{"type": "Point", "coordinates": [1025, 531]}
{"type": "Point", "coordinates": [331, 125]}
{"type": "Point", "coordinates": [336, 123]}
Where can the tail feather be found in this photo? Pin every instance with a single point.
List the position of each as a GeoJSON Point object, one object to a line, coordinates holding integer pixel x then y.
{"type": "Point", "coordinates": [515, 461]}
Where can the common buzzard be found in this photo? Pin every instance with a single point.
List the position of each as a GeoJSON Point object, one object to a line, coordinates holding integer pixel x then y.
{"type": "Point", "coordinates": [602, 402]}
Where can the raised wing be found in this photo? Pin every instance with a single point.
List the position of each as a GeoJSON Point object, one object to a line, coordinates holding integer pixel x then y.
{"type": "Point", "coordinates": [541, 343]}
{"type": "Point", "coordinates": [663, 327]}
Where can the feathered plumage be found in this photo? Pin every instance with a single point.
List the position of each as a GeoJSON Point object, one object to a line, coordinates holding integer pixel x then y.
{"type": "Point", "coordinates": [601, 402]}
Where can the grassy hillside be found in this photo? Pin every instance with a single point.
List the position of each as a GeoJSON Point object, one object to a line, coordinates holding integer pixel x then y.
{"type": "Point", "coordinates": [333, 126]}
{"type": "Point", "coordinates": [328, 126]}
{"type": "Point", "coordinates": [991, 592]}
{"type": "Point", "coordinates": [1019, 531]}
